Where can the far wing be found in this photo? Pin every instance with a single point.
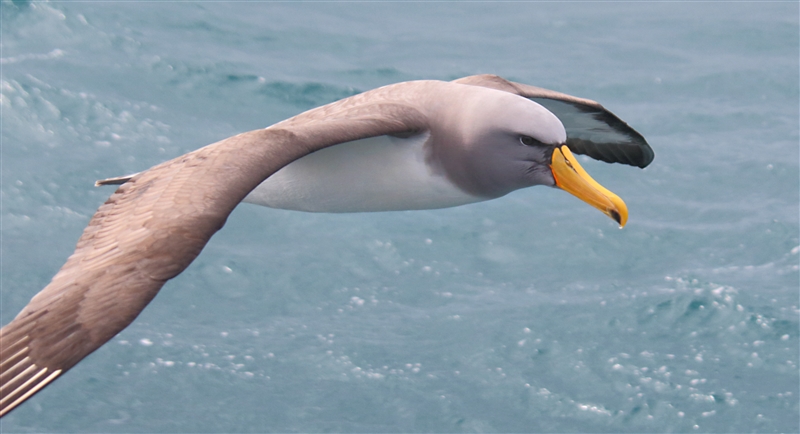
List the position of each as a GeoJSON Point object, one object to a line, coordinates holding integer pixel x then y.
{"type": "Point", "coordinates": [591, 129]}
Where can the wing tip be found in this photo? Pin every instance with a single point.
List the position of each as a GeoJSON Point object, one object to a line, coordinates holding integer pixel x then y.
{"type": "Point", "coordinates": [119, 180]}
{"type": "Point", "coordinates": [34, 383]}
{"type": "Point", "coordinates": [20, 376]}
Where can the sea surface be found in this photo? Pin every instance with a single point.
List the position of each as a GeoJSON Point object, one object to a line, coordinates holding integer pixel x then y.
{"type": "Point", "coordinates": [529, 313]}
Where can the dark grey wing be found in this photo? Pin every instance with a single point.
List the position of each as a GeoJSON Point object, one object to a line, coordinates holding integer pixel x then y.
{"type": "Point", "coordinates": [154, 226]}
{"type": "Point", "coordinates": [598, 133]}
{"type": "Point", "coordinates": [591, 129]}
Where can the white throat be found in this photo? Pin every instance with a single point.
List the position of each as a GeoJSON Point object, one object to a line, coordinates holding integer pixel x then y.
{"type": "Point", "coordinates": [377, 174]}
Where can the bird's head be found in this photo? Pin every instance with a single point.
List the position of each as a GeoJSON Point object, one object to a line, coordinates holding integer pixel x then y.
{"type": "Point", "coordinates": [511, 142]}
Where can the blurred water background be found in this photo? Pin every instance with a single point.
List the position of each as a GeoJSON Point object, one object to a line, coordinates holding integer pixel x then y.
{"type": "Point", "coordinates": [528, 313]}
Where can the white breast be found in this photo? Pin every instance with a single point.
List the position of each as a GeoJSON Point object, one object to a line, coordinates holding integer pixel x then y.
{"type": "Point", "coordinates": [376, 174]}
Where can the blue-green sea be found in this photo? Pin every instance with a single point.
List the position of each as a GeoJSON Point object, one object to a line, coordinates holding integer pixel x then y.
{"type": "Point", "coordinates": [529, 313]}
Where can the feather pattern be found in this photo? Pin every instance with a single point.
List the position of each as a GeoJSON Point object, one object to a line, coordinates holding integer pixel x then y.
{"type": "Point", "coordinates": [154, 226]}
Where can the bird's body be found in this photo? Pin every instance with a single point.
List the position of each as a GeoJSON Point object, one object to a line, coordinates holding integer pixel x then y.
{"type": "Point", "coordinates": [384, 173]}
{"type": "Point", "coordinates": [413, 145]}
{"type": "Point", "coordinates": [448, 163]}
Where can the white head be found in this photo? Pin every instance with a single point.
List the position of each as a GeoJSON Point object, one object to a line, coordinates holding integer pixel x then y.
{"type": "Point", "coordinates": [495, 142]}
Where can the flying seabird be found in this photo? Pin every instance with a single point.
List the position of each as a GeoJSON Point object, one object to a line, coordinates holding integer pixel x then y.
{"type": "Point", "coordinates": [411, 145]}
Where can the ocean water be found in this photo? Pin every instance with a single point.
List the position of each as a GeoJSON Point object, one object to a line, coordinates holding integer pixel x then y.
{"type": "Point", "coordinates": [530, 313]}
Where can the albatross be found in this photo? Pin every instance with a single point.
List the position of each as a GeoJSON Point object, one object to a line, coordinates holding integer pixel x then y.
{"type": "Point", "coordinates": [412, 145]}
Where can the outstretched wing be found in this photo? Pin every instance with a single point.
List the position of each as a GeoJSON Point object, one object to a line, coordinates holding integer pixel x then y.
{"type": "Point", "coordinates": [591, 129]}
{"type": "Point", "coordinates": [154, 226]}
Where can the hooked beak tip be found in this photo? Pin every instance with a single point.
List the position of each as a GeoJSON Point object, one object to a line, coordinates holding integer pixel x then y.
{"type": "Point", "coordinates": [570, 176]}
{"type": "Point", "coordinates": [615, 215]}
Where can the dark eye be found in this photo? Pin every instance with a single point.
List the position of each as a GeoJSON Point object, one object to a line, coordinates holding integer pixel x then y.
{"type": "Point", "coordinates": [529, 141]}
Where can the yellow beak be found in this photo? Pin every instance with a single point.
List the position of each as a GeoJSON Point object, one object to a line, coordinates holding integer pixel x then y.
{"type": "Point", "coordinates": [571, 177]}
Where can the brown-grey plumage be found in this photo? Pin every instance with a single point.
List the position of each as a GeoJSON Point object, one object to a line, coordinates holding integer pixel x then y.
{"type": "Point", "coordinates": [153, 227]}
{"type": "Point", "coordinates": [159, 220]}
